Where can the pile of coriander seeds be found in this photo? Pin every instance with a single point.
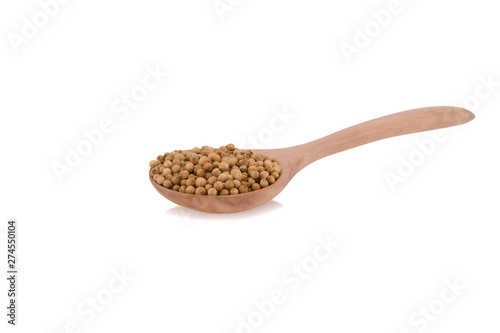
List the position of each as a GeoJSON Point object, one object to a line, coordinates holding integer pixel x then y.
{"type": "Point", "coordinates": [214, 171]}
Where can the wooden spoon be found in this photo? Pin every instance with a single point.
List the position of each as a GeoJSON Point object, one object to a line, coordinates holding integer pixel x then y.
{"type": "Point", "coordinates": [294, 159]}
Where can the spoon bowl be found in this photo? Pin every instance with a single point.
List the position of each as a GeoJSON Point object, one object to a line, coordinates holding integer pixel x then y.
{"type": "Point", "coordinates": [234, 203]}
{"type": "Point", "coordinates": [294, 159]}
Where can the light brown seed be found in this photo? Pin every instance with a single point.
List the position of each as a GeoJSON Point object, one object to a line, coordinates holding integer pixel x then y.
{"type": "Point", "coordinates": [243, 188]}
{"type": "Point", "coordinates": [254, 174]}
{"type": "Point", "coordinates": [222, 171]}
{"type": "Point", "coordinates": [200, 172]}
{"type": "Point", "coordinates": [218, 185]}
{"type": "Point", "coordinates": [200, 182]}
{"type": "Point", "coordinates": [194, 159]}
{"type": "Point", "coordinates": [214, 157]}
{"type": "Point", "coordinates": [222, 177]}
{"type": "Point", "coordinates": [190, 181]}
{"type": "Point", "coordinates": [176, 180]}
{"type": "Point", "coordinates": [189, 166]}
{"type": "Point", "coordinates": [229, 184]}
{"type": "Point", "coordinates": [224, 166]}
{"type": "Point", "coordinates": [200, 191]}
{"type": "Point", "coordinates": [211, 180]}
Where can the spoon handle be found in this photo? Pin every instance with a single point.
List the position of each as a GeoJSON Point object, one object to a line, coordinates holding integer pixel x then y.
{"type": "Point", "coordinates": [406, 122]}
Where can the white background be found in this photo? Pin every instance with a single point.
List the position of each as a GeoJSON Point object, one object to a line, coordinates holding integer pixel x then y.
{"type": "Point", "coordinates": [228, 77]}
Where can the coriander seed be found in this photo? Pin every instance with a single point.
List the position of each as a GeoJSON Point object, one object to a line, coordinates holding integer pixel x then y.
{"type": "Point", "coordinates": [221, 171]}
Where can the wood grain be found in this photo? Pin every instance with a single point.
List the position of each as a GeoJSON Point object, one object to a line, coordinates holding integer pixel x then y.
{"type": "Point", "coordinates": [294, 159]}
